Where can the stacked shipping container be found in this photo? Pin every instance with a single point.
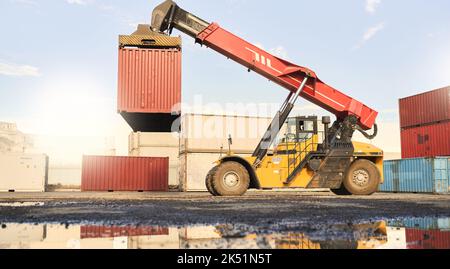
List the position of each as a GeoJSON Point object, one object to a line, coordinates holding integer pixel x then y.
{"type": "Point", "coordinates": [419, 175]}
{"type": "Point", "coordinates": [425, 124]}
{"type": "Point", "coordinates": [425, 140]}
{"type": "Point", "coordinates": [427, 223]}
{"type": "Point", "coordinates": [427, 239]}
{"type": "Point", "coordinates": [424, 233]}
{"type": "Point", "coordinates": [204, 139]}
{"type": "Point", "coordinates": [425, 108]}
{"type": "Point", "coordinates": [157, 145]}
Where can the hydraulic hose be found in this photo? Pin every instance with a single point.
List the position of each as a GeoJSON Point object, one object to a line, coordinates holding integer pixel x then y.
{"type": "Point", "coordinates": [366, 135]}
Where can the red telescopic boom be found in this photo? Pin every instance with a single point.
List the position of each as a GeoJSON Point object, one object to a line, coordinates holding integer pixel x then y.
{"type": "Point", "coordinates": [288, 75]}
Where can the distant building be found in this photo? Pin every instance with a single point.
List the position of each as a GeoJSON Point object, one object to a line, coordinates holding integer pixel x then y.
{"type": "Point", "coordinates": [12, 140]}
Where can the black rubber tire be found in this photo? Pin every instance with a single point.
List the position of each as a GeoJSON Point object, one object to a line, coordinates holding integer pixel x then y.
{"type": "Point", "coordinates": [218, 181]}
{"type": "Point", "coordinates": [341, 191]}
{"type": "Point", "coordinates": [374, 178]}
{"type": "Point", "coordinates": [208, 181]}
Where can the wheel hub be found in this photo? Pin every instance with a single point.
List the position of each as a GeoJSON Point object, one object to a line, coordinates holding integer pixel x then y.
{"type": "Point", "coordinates": [361, 177]}
{"type": "Point", "coordinates": [231, 179]}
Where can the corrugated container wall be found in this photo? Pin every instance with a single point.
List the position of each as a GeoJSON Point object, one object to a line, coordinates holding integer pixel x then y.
{"type": "Point", "coordinates": [426, 223]}
{"type": "Point", "coordinates": [102, 173]}
{"type": "Point", "coordinates": [425, 108]}
{"type": "Point", "coordinates": [157, 145]}
{"type": "Point", "coordinates": [149, 88]}
{"type": "Point", "coordinates": [427, 239]}
{"type": "Point", "coordinates": [119, 231]}
{"type": "Point", "coordinates": [209, 133]}
{"type": "Point", "coordinates": [149, 80]}
{"type": "Point", "coordinates": [430, 175]}
{"type": "Point", "coordinates": [426, 141]}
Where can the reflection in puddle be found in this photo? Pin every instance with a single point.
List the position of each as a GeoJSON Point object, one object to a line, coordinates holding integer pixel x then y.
{"type": "Point", "coordinates": [420, 233]}
{"type": "Point", "coordinates": [21, 204]}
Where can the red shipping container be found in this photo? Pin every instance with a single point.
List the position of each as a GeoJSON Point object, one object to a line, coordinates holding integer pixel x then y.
{"type": "Point", "coordinates": [426, 141]}
{"type": "Point", "coordinates": [116, 231]}
{"type": "Point", "coordinates": [100, 173]}
{"type": "Point", "coordinates": [149, 80]}
{"type": "Point", "coordinates": [427, 239]}
{"type": "Point", "coordinates": [425, 108]}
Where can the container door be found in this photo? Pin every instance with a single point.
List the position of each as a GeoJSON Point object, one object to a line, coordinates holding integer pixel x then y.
{"type": "Point", "coordinates": [441, 175]}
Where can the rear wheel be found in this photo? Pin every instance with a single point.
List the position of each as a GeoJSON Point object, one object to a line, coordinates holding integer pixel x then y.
{"type": "Point", "coordinates": [230, 179]}
{"type": "Point", "coordinates": [362, 178]}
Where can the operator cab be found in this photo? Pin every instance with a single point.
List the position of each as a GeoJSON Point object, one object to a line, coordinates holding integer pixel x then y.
{"type": "Point", "coordinates": [299, 129]}
{"type": "Point", "coordinates": [304, 134]}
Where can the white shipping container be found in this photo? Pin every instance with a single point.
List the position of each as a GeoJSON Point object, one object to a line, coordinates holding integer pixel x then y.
{"type": "Point", "coordinates": [210, 133]}
{"type": "Point", "coordinates": [171, 152]}
{"type": "Point", "coordinates": [173, 175]}
{"type": "Point", "coordinates": [23, 173]}
{"type": "Point", "coordinates": [200, 232]}
{"type": "Point", "coordinates": [170, 241]}
{"type": "Point", "coordinates": [194, 167]}
{"type": "Point", "coordinates": [396, 239]}
{"type": "Point", "coordinates": [67, 176]}
{"type": "Point", "coordinates": [388, 156]}
{"type": "Point", "coordinates": [60, 237]}
{"type": "Point", "coordinates": [19, 235]}
{"type": "Point", "coordinates": [162, 140]}
{"type": "Point", "coordinates": [157, 145]}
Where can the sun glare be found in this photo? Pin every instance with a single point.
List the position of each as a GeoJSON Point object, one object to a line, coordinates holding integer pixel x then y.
{"type": "Point", "coordinates": [72, 118]}
{"type": "Point", "coordinates": [75, 109]}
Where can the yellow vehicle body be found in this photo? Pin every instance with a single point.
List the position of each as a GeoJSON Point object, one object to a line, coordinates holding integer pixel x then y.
{"type": "Point", "coordinates": [275, 168]}
{"type": "Point", "coordinates": [303, 158]}
{"type": "Point", "coordinates": [376, 236]}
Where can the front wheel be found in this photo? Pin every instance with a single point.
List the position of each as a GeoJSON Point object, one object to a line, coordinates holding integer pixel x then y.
{"type": "Point", "coordinates": [230, 179]}
{"type": "Point", "coordinates": [208, 181]}
{"type": "Point", "coordinates": [362, 178]}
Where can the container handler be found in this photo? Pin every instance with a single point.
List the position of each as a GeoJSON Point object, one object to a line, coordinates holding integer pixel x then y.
{"type": "Point", "coordinates": [304, 158]}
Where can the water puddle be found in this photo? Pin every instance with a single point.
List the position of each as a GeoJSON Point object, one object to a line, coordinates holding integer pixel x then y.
{"type": "Point", "coordinates": [413, 233]}
{"type": "Point", "coordinates": [22, 204]}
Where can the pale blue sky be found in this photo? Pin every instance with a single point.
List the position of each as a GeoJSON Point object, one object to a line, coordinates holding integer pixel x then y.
{"type": "Point", "coordinates": [375, 51]}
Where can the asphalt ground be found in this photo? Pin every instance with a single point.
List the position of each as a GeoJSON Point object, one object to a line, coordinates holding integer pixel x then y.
{"type": "Point", "coordinates": [258, 208]}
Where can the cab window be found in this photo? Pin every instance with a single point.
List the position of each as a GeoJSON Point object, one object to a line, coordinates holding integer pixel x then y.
{"type": "Point", "coordinates": [305, 130]}
{"type": "Point", "coordinates": [299, 130]}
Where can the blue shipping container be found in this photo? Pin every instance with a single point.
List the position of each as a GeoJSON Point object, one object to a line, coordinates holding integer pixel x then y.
{"type": "Point", "coordinates": [422, 223]}
{"type": "Point", "coordinates": [430, 175]}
